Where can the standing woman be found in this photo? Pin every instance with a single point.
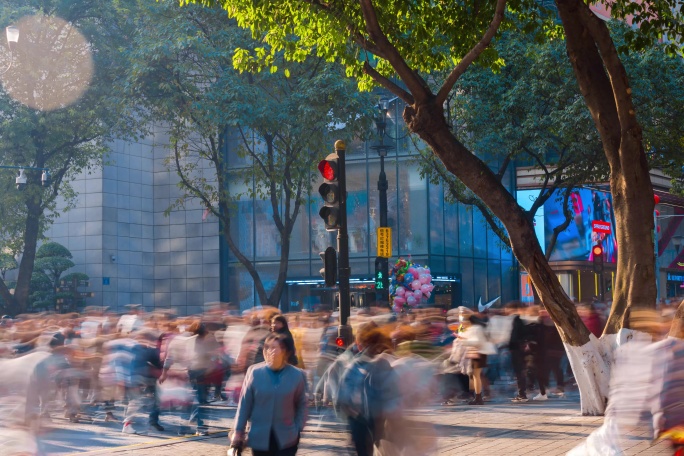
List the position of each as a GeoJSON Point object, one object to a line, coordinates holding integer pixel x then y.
{"type": "Point", "coordinates": [475, 338]}
{"type": "Point", "coordinates": [273, 400]}
{"type": "Point", "coordinates": [279, 326]}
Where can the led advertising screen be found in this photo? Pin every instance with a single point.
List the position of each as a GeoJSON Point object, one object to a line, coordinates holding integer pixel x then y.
{"type": "Point", "coordinates": [593, 222]}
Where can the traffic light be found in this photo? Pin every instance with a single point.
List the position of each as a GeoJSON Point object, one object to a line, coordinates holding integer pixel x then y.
{"type": "Point", "coordinates": [381, 274]}
{"type": "Point", "coordinates": [345, 337]}
{"type": "Point", "coordinates": [329, 270]}
{"type": "Point", "coordinates": [597, 252]}
{"type": "Point", "coordinates": [330, 191]}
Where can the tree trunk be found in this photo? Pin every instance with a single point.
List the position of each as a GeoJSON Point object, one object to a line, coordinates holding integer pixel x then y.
{"type": "Point", "coordinates": [224, 215]}
{"type": "Point", "coordinates": [6, 296]}
{"type": "Point", "coordinates": [23, 288]}
{"type": "Point", "coordinates": [603, 82]}
{"type": "Point", "coordinates": [677, 326]}
{"type": "Point", "coordinates": [427, 121]}
{"type": "Point", "coordinates": [276, 293]}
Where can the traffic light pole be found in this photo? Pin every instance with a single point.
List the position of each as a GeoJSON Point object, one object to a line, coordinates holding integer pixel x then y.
{"type": "Point", "coordinates": [382, 190]}
{"type": "Point", "coordinates": [383, 295]}
{"type": "Point", "coordinates": [344, 330]}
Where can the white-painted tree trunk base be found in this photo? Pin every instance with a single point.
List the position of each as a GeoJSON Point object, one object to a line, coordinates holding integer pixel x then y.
{"type": "Point", "coordinates": [603, 441]}
{"type": "Point", "coordinates": [636, 376]}
{"type": "Point", "coordinates": [591, 363]}
{"type": "Point", "coordinates": [592, 374]}
{"type": "Point", "coordinates": [608, 343]}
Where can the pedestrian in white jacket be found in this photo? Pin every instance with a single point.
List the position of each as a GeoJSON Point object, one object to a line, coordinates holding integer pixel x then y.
{"type": "Point", "coordinates": [475, 338]}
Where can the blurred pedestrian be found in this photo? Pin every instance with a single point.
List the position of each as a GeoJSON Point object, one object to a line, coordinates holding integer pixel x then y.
{"type": "Point", "coordinates": [190, 354]}
{"type": "Point", "coordinates": [145, 368]}
{"type": "Point", "coordinates": [369, 393]}
{"type": "Point", "coordinates": [516, 347]}
{"type": "Point", "coordinates": [591, 319]}
{"type": "Point", "coordinates": [279, 326]}
{"type": "Point", "coordinates": [478, 348]}
{"type": "Point", "coordinates": [551, 353]}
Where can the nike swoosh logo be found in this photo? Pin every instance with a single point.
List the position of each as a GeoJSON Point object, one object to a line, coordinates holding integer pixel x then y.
{"type": "Point", "coordinates": [482, 308]}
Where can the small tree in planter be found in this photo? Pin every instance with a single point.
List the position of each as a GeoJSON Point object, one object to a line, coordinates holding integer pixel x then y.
{"type": "Point", "coordinates": [53, 259]}
{"type": "Point", "coordinates": [42, 295]}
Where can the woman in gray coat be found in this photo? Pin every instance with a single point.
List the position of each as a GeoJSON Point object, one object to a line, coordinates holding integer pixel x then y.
{"type": "Point", "coordinates": [273, 400]}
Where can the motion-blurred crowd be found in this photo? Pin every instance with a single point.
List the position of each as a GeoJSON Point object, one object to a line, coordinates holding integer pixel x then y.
{"type": "Point", "coordinates": [131, 368]}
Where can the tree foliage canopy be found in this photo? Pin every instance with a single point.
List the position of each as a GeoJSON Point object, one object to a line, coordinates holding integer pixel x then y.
{"type": "Point", "coordinates": [429, 36]}
{"type": "Point", "coordinates": [531, 112]}
{"type": "Point", "coordinates": [67, 136]}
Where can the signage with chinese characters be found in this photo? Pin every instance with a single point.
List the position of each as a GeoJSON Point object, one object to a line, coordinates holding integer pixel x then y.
{"type": "Point", "coordinates": [385, 242]}
{"type": "Point", "coordinates": [599, 226]}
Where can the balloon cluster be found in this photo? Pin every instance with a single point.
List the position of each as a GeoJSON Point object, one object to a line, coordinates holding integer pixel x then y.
{"type": "Point", "coordinates": [409, 283]}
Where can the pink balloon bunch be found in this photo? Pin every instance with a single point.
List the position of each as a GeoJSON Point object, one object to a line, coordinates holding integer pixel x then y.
{"type": "Point", "coordinates": [409, 284]}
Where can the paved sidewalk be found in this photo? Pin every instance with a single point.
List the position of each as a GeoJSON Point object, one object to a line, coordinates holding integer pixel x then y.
{"type": "Point", "coordinates": [498, 428]}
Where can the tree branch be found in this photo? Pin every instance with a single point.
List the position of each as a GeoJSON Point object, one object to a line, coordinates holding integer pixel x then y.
{"type": "Point", "coordinates": [613, 65]}
{"type": "Point", "coordinates": [473, 54]}
{"type": "Point", "coordinates": [416, 86]}
{"type": "Point", "coordinates": [389, 85]}
{"type": "Point", "coordinates": [504, 166]}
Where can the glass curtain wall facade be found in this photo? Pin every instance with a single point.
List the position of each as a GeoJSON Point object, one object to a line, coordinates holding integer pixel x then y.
{"type": "Point", "coordinates": [453, 239]}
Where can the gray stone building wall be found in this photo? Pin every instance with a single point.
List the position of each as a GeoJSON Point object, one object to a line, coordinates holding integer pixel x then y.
{"type": "Point", "coordinates": [120, 236]}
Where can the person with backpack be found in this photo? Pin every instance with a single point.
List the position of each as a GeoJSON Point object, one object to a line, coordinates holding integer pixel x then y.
{"type": "Point", "coordinates": [369, 390]}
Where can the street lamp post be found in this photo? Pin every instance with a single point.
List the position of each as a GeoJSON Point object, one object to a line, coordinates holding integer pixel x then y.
{"type": "Point", "coordinates": [12, 37]}
{"type": "Point", "coordinates": [381, 263]}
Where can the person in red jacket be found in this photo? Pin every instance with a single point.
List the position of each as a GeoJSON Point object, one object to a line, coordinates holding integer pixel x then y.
{"type": "Point", "coordinates": [591, 319]}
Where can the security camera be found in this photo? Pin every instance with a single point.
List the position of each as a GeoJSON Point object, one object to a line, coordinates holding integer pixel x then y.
{"type": "Point", "coordinates": [45, 178]}
{"type": "Point", "coordinates": [21, 180]}
{"type": "Point", "coordinates": [113, 258]}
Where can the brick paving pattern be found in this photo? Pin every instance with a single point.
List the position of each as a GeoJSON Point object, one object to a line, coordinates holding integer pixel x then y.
{"type": "Point", "coordinates": [498, 428]}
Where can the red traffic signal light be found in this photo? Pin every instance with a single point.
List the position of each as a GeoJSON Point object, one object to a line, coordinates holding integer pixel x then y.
{"type": "Point", "coordinates": [597, 253]}
{"type": "Point", "coordinates": [328, 167]}
{"type": "Point", "coordinates": [339, 342]}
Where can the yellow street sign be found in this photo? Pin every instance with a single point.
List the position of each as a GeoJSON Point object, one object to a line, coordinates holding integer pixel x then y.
{"type": "Point", "coordinates": [385, 242]}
